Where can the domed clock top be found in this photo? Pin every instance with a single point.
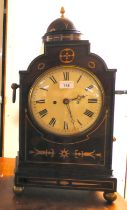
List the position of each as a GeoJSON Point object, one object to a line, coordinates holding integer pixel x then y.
{"type": "Point", "coordinates": [61, 29]}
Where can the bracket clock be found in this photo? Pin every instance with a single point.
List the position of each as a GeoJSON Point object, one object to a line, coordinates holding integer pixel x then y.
{"type": "Point", "coordinates": [66, 110]}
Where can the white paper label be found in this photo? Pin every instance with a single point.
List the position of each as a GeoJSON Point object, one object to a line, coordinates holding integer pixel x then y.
{"type": "Point", "coordinates": [66, 84]}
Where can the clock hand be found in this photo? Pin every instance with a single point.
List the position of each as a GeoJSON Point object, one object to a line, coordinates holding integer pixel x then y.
{"type": "Point", "coordinates": [70, 113]}
{"type": "Point", "coordinates": [78, 98]}
{"type": "Point", "coordinates": [66, 102]}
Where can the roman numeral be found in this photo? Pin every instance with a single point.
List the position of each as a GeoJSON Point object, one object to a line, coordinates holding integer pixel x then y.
{"type": "Point", "coordinates": [43, 112]}
{"type": "Point", "coordinates": [52, 122]}
{"type": "Point", "coordinates": [79, 122]}
{"type": "Point", "coordinates": [79, 78]}
{"type": "Point", "coordinates": [53, 79]}
{"type": "Point", "coordinates": [88, 113]}
{"type": "Point", "coordinates": [92, 100]}
{"type": "Point", "coordinates": [44, 89]}
{"type": "Point", "coordinates": [66, 75]}
{"type": "Point", "coordinates": [65, 125]}
{"type": "Point", "coordinates": [89, 87]}
{"type": "Point", "coordinates": [40, 101]}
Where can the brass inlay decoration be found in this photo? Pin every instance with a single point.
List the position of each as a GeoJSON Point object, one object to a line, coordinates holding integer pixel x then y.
{"type": "Point", "coordinates": [66, 55]}
{"type": "Point", "coordinates": [64, 182]}
{"type": "Point", "coordinates": [45, 152]}
{"type": "Point", "coordinates": [64, 153]}
{"type": "Point", "coordinates": [78, 183]}
{"type": "Point", "coordinates": [91, 64]}
{"type": "Point", "coordinates": [44, 181]}
{"type": "Point", "coordinates": [17, 189]}
{"type": "Point", "coordinates": [41, 66]}
{"type": "Point", "coordinates": [86, 184]}
{"type": "Point", "coordinates": [92, 154]}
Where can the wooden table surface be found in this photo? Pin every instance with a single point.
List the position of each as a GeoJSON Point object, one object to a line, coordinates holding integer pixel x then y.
{"type": "Point", "coordinates": [49, 199]}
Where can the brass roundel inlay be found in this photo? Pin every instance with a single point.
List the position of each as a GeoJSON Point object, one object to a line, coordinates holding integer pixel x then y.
{"type": "Point", "coordinates": [41, 66]}
{"type": "Point", "coordinates": [91, 64]}
{"type": "Point", "coordinates": [66, 55]}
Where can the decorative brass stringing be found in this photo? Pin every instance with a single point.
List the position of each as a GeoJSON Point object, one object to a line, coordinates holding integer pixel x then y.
{"type": "Point", "coordinates": [45, 153]}
{"type": "Point", "coordinates": [65, 153]}
{"type": "Point", "coordinates": [81, 154]}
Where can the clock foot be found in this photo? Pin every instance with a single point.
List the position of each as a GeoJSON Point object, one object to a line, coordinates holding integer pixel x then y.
{"type": "Point", "coordinates": [18, 190]}
{"type": "Point", "coordinates": [110, 196]}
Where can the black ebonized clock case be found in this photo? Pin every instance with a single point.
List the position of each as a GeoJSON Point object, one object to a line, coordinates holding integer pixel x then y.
{"type": "Point", "coordinates": [89, 165]}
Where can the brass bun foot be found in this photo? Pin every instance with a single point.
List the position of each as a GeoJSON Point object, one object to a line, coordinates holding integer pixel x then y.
{"type": "Point", "coordinates": [18, 190]}
{"type": "Point", "coordinates": [110, 197]}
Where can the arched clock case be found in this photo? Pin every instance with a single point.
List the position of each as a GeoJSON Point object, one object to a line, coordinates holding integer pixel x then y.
{"type": "Point", "coordinates": [66, 112]}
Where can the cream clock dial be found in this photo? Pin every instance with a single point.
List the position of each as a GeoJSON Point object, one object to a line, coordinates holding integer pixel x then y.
{"type": "Point", "coordinates": [66, 100]}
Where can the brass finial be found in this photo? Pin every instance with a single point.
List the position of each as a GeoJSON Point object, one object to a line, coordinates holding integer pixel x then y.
{"type": "Point", "coordinates": [62, 11]}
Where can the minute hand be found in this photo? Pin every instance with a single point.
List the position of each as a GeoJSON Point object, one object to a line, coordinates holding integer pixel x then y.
{"type": "Point", "coordinates": [70, 113]}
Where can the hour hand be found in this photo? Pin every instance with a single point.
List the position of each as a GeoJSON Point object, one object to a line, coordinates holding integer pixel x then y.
{"type": "Point", "coordinates": [77, 99]}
